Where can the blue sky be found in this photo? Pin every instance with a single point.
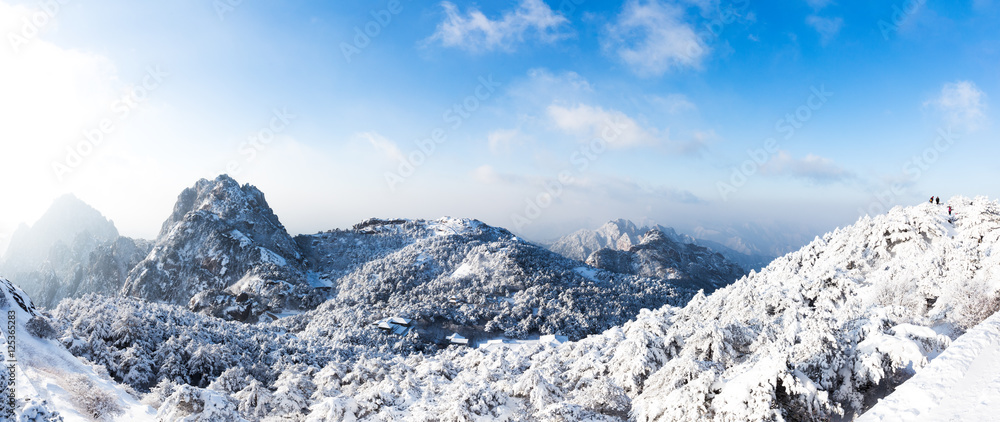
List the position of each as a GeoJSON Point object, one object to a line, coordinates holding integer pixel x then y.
{"type": "Point", "coordinates": [549, 116]}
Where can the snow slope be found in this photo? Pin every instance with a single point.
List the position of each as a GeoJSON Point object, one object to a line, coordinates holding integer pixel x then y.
{"type": "Point", "coordinates": [820, 334]}
{"type": "Point", "coordinates": [962, 384]}
{"type": "Point", "coordinates": [49, 379]}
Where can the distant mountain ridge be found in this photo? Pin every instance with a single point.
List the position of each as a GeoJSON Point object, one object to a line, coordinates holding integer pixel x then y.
{"type": "Point", "coordinates": [622, 234]}
{"type": "Point", "coordinates": [223, 252]}
{"type": "Point", "coordinates": [658, 256]}
{"type": "Point", "coordinates": [62, 223]}
{"type": "Point", "coordinates": [72, 250]}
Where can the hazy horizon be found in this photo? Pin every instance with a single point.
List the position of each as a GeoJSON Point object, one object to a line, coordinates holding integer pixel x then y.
{"type": "Point", "coordinates": [151, 233]}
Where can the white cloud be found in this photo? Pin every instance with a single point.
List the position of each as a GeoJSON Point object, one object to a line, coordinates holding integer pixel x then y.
{"type": "Point", "coordinates": [673, 103]}
{"type": "Point", "coordinates": [475, 32]}
{"type": "Point", "coordinates": [652, 37]}
{"type": "Point", "coordinates": [502, 140]}
{"type": "Point", "coordinates": [698, 142]}
{"type": "Point", "coordinates": [811, 167]}
{"type": "Point", "coordinates": [569, 79]}
{"type": "Point", "coordinates": [613, 126]}
{"type": "Point", "coordinates": [388, 148]}
{"type": "Point", "coordinates": [962, 104]}
{"type": "Point", "coordinates": [828, 28]}
{"type": "Point", "coordinates": [613, 189]}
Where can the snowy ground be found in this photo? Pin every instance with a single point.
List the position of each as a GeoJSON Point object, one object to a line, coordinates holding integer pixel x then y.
{"type": "Point", "coordinates": [962, 384]}
{"type": "Point", "coordinates": [47, 372]}
{"type": "Point", "coordinates": [53, 379]}
{"type": "Point", "coordinates": [498, 342]}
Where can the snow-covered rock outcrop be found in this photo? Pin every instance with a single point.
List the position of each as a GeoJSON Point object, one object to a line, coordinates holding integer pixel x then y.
{"type": "Point", "coordinates": [222, 238]}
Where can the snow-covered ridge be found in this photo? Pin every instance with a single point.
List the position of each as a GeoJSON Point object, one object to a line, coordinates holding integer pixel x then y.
{"type": "Point", "coordinates": [623, 235]}
{"type": "Point", "coordinates": [821, 332]}
{"type": "Point", "coordinates": [70, 251]}
{"type": "Point", "coordinates": [445, 226]}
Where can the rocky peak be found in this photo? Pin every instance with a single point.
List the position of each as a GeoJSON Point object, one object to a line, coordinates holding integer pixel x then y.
{"type": "Point", "coordinates": [220, 236]}
{"type": "Point", "coordinates": [658, 255]}
{"type": "Point", "coordinates": [244, 208]}
{"type": "Point", "coordinates": [67, 220]}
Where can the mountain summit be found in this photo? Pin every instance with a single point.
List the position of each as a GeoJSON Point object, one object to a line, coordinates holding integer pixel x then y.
{"type": "Point", "coordinates": [64, 221]}
{"type": "Point", "coordinates": [622, 235]}
{"type": "Point", "coordinates": [220, 237]}
{"type": "Point", "coordinates": [659, 255]}
{"type": "Point", "coordinates": [71, 251]}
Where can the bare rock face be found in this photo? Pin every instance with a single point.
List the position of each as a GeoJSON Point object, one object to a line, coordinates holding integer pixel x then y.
{"type": "Point", "coordinates": [220, 237]}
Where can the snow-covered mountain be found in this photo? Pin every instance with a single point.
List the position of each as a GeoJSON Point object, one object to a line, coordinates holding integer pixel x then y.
{"type": "Point", "coordinates": [481, 281]}
{"type": "Point", "coordinates": [222, 240]}
{"type": "Point", "coordinates": [615, 235]}
{"type": "Point", "coordinates": [71, 251]}
{"type": "Point", "coordinates": [821, 333]}
{"type": "Point", "coordinates": [622, 235]}
{"type": "Point", "coordinates": [67, 219]}
{"type": "Point", "coordinates": [224, 252]}
{"type": "Point", "coordinates": [658, 256]}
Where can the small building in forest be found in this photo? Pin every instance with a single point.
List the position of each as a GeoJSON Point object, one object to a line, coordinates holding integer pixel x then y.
{"type": "Point", "coordinates": [457, 338]}
{"type": "Point", "coordinates": [395, 325]}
